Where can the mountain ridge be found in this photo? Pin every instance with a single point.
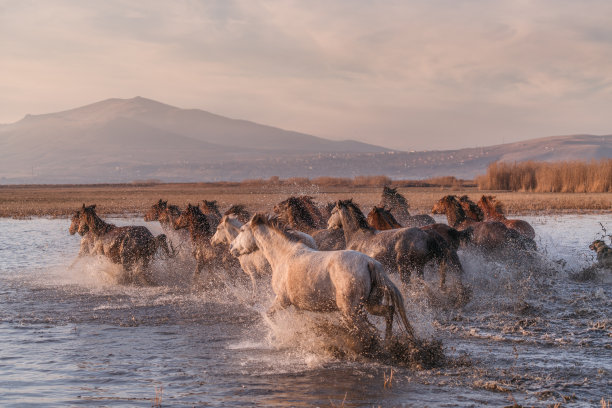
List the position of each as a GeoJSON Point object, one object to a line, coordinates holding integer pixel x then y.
{"type": "Point", "coordinates": [119, 140]}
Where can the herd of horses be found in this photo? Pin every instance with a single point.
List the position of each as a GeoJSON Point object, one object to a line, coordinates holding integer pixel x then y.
{"type": "Point", "coordinates": [318, 257]}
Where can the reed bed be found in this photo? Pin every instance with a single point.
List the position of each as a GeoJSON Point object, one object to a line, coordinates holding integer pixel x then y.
{"type": "Point", "coordinates": [557, 177]}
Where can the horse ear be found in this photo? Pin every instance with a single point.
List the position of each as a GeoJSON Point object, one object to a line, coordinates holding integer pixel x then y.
{"type": "Point", "coordinates": [83, 205]}
{"type": "Point", "coordinates": [258, 219]}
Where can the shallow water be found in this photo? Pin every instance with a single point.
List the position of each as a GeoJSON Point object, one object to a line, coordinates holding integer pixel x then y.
{"type": "Point", "coordinates": [533, 333]}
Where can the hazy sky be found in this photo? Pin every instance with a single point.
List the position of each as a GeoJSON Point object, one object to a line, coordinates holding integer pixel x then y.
{"type": "Point", "coordinates": [404, 74]}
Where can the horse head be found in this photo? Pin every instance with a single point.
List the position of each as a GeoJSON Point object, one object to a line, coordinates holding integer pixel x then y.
{"type": "Point", "coordinates": [75, 223]}
{"type": "Point", "coordinates": [156, 210]}
{"type": "Point", "coordinates": [382, 219]}
{"type": "Point", "coordinates": [88, 219]}
{"type": "Point", "coordinates": [245, 243]}
{"type": "Point", "coordinates": [193, 218]}
{"type": "Point", "coordinates": [390, 198]}
{"type": "Point", "coordinates": [226, 230]}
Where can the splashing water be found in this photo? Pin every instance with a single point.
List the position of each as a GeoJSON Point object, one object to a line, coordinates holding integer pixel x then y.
{"type": "Point", "coordinates": [529, 333]}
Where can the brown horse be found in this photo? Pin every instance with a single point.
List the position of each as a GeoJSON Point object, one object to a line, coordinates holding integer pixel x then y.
{"type": "Point", "coordinates": [88, 242]}
{"type": "Point", "coordinates": [381, 219]}
{"type": "Point", "coordinates": [401, 250]}
{"type": "Point", "coordinates": [302, 214]}
{"type": "Point", "coordinates": [398, 205]}
{"type": "Point", "coordinates": [201, 231]}
{"type": "Point", "coordinates": [211, 212]}
{"type": "Point", "coordinates": [494, 211]}
{"type": "Point", "coordinates": [128, 246]}
{"type": "Point", "coordinates": [486, 234]}
{"type": "Point", "coordinates": [471, 209]}
{"type": "Point", "coordinates": [166, 215]}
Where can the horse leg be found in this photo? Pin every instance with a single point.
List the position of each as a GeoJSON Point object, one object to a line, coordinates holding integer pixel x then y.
{"type": "Point", "coordinates": [383, 310]}
{"type": "Point", "coordinates": [280, 303]}
{"type": "Point", "coordinates": [442, 272]}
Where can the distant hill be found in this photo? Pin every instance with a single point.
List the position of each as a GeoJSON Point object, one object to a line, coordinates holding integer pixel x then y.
{"type": "Point", "coordinates": [120, 140]}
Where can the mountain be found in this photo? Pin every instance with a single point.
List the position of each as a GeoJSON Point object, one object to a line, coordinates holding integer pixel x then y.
{"type": "Point", "coordinates": [121, 140]}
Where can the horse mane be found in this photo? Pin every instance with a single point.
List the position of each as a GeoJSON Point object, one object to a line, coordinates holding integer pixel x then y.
{"type": "Point", "coordinates": [354, 209]}
{"type": "Point", "coordinates": [298, 213]}
{"type": "Point", "coordinates": [240, 211]}
{"type": "Point", "coordinates": [492, 204]}
{"type": "Point", "coordinates": [392, 195]}
{"type": "Point", "coordinates": [99, 223]}
{"type": "Point", "coordinates": [210, 207]}
{"type": "Point", "coordinates": [472, 207]}
{"type": "Point", "coordinates": [199, 217]}
{"type": "Point", "coordinates": [274, 222]}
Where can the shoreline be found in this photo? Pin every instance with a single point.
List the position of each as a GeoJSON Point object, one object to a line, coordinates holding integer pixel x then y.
{"type": "Point", "coordinates": [127, 200]}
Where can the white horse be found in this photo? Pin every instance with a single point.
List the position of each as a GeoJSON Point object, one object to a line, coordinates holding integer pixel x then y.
{"type": "Point", "coordinates": [253, 264]}
{"type": "Point", "coordinates": [323, 281]}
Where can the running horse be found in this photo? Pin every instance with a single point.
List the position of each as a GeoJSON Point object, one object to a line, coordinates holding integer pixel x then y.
{"type": "Point", "coordinates": [494, 211]}
{"type": "Point", "coordinates": [201, 231]}
{"type": "Point", "coordinates": [166, 215]}
{"type": "Point", "coordinates": [381, 219]}
{"type": "Point", "coordinates": [401, 250]}
{"type": "Point", "coordinates": [302, 214]}
{"type": "Point", "coordinates": [254, 264]}
{"type": "Point", "coordinates": [324, 281]}
{"type": "Point", "coordinates": [398, 205]}
{"type": "Point", "coordinates": [484, 234]}
{"type": "Point", "coordinates": [133, 247]}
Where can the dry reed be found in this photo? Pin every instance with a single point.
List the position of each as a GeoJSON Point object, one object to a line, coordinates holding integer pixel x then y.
{"type": "Point", "coordinates": [558, 177]}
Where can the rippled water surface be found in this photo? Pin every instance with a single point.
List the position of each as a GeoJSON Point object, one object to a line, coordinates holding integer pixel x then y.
{"type": "Point", "coordinates": [536, 332]}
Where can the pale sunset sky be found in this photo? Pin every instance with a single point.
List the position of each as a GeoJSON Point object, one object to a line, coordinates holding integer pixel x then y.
{"type": "Point", "coordinates": [408, 75]}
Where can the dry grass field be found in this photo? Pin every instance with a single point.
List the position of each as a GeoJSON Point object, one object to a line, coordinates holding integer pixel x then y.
{"type": "Point", "coordinates": [133, 199]}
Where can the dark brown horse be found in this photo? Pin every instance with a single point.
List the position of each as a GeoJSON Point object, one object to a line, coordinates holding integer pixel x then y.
{"type": "Point", "coordinates": [303, 214]}
{"type": "Point", "coordinates": [201, 231]}
{"type": "Point", "coordinates": [212, 213]}
{"type": "Point", "coordinates": [471, 209]}
{"type": "Point", "coordinates": [381, 219]}
{"type": "Point", "coordinates": [88, 242]}
{"type": "Point", "coordinates": [493, 210]}
{"type": "Point", "coordinates": [300, 213]}
{"type": "Point", "coordinates": [166, 215]}
{"type": "Point", "coordinates": [402, 250]}
{"type": "Point", "coordinates": [398, 205]}
{"type": "Point", "coordinates": [485, 234]}
{"type": "Point", "coordinates": [130, 246]}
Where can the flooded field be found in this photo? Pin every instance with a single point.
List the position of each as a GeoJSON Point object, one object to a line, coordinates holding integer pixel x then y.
{"type": "Point", "coordinates": [537, 332]}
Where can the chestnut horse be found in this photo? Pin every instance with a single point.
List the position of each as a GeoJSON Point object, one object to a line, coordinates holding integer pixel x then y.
{"type": "Point", "coordinates": [398, 205]}
{"type": "Point", "coordinates": [381, 219]}
{"type": "Point", "coordinates": [128, 246]}
{"type": "Point", "coordinates": [493, 211]}
{"type": "Point", "coordinates": [166, 215]}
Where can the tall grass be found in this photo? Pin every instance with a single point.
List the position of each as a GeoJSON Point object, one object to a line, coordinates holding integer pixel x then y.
{"type": "Point", "coordinates": [558, 177]}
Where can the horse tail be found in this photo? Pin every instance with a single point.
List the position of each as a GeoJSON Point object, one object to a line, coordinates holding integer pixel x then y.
{"type": "Point", "coordinates": [162, 242]}
{"type": "Point", "coordinates": [391, 292]}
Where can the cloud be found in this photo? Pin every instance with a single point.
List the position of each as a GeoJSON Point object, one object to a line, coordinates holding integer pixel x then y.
{"type": "Point", "coordinates": [422, 74]}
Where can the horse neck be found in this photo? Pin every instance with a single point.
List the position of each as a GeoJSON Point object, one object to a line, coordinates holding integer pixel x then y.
{"type": "Point", "coordinates": [233, 228]}
{"type": "Point", "coordinates": [274, 245]}
{"type": "Point", "coordinates": [490, 213]}
{"type": "Point", "coordinates": [97, 225]}
{"type": "Point", "coordinates": [350, 225]}
{"type": "Point", "coordinates": [455, 214]}
{"type": "Point", "coordinates": [198, 229]}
